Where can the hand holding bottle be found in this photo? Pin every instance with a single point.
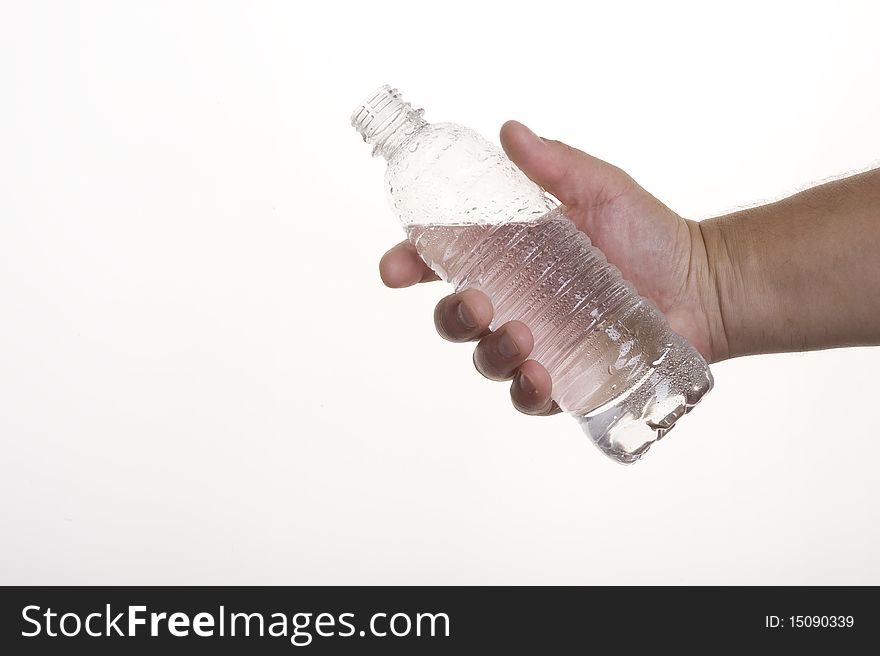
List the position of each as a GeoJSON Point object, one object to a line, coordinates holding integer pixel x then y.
{"type": "Point", "coordinates": [799, 274]}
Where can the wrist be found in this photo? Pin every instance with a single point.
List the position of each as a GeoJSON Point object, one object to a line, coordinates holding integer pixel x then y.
{"type": "Point", "coordinates": [721, 278]}
{"type": "Point", "coordinates": [740, 284]}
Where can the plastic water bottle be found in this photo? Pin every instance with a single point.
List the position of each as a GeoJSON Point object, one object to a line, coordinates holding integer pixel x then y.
{"type": "Point", "coordinates": [480, 223]}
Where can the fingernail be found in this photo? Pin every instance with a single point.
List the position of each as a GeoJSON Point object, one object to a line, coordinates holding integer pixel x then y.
{"type": "Point", "coordinates": [465, 316]}
{"type": "Point", "coordinates": [526, 384]}
{"type": "Point", "coordinates": [507, 346]}
{"type": "Point", "coordinates": [535, 137]}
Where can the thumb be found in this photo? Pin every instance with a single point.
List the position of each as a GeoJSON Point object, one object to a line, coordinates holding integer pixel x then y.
{"type": "Point", "coordinates": [571, 175]}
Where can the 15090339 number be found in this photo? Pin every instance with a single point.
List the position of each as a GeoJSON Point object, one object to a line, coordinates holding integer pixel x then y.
{"type": "Point", "coordinates": [822, 621]}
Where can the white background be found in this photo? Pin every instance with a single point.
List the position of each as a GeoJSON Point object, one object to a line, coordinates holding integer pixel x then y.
{"type": "Point", "coordinates": [202, 379]}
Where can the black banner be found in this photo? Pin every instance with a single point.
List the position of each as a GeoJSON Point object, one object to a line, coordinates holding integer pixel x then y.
{"type": "Point", "coordinates": [429, 620]}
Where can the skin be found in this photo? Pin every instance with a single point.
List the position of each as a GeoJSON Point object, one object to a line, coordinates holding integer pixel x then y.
{"type": "Point", "coordinates": [799, 274]}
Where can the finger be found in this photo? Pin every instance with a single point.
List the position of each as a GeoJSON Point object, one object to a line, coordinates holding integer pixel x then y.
{"type": "Point", "coordinates": [464, 316]}
{"type": "Point", "coordinates": [530, 390]}
{"type": "Point", "coordinates": [571, 175]}
{"type": "Point", "coordinates": [402, 267]}
{"type": "Point", "coordinates": [498, 355]}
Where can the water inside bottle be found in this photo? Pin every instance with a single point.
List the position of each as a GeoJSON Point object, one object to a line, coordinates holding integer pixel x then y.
{"type": "Point", "coordinates": [614, 361]}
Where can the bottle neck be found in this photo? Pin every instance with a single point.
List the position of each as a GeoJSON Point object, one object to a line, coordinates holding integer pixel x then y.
{"type": "Point", "coordinates": [386, 122]}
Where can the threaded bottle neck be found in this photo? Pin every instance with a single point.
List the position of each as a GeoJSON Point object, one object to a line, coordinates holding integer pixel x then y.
{"type": "Point", "coordinates": [386, 122]}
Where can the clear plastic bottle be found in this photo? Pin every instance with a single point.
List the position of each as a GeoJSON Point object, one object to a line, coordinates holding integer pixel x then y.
{"type": "Point", "coordinates": [480, 223]}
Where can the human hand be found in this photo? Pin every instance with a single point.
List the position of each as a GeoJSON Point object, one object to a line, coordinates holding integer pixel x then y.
{"type": "Point", "coordinates": [662, 254]}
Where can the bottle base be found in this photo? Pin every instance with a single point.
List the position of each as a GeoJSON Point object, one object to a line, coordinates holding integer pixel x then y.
{"type": "Point", "coordinates": [626, 427]}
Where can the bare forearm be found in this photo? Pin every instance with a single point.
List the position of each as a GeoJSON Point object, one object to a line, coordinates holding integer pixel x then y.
{"type": "Point", "coordinates": [802, 273]}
